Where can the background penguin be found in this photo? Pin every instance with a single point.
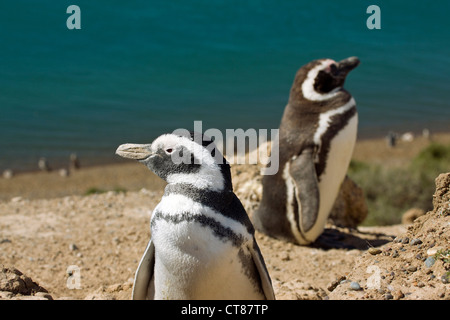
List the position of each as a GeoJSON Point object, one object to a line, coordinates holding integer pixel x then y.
{"type": "Point", "coordinates": [316, 139]}
{"type": "Point", "coordinates": [202, 244]}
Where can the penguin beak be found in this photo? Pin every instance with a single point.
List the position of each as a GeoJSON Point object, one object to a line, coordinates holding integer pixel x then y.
{"type": "Point", "coordinates": [134, 151]}
{"type": "Point", "coordinates": [347, 65]}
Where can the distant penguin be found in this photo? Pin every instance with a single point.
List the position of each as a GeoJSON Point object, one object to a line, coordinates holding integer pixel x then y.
{"type": "Point", "coordinates": [316, 139]}
{"type": "Point", "coordinates": [43, 165]}
{"type": "Point", "coordinates": [391, 139]}
{"type": "Point", "coordinates": [74, 161]}
{"type": "Point", "coordinates": [202, 242]}
{"type": "Point", "coordinates": [8, 174]}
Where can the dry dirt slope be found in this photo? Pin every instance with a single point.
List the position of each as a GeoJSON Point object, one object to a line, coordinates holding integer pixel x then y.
{"type": "Point", "coordinates": [104, 236]}
{"type": "Point", "coordinates": [416, 265]}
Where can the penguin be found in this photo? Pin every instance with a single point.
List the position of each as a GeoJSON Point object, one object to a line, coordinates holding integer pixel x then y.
{"type": "Point", "coordinates": [44, 165]}
{"type": "Point", "coordinates": [317, 135]}
{"type": "Point", "coordinates": [202, 243]}
{"type": "Point", "coordinates": [74, 161]}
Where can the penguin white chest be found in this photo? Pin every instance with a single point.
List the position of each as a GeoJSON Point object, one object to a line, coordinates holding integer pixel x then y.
{"type": "Point", "coordinates": [192, 260]}
{"type": "Point", "coordinates": [185, 257]}
{"type": "Point", "coordinates": [337, 162]}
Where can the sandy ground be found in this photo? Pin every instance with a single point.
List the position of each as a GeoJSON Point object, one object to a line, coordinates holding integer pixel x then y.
{"type": "Point", "coordinates": [80, 246]}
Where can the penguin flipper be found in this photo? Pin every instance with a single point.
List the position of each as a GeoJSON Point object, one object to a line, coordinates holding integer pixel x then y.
{"type": "Point", "coordinates": [144, 274]}
{"type": "Point", "coordinates": [303, 173]}
{"type": "Point", "coordinates": [266, 283]}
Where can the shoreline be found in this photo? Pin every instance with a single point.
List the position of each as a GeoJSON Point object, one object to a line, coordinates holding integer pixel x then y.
{"type": "Point", "coordinates": [123, 175]}
{"type": "Point", "coordinates": [57, 163]}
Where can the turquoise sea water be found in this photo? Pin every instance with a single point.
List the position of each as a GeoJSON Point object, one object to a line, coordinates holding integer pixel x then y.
{"type": "Point", "coordinates": [137, 69]}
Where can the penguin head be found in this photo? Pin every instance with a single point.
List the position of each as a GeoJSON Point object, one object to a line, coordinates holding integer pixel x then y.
{"type": "Point", "coordinates": [189, 157]}
{"type": "Point", "coordinates": [320, 79]}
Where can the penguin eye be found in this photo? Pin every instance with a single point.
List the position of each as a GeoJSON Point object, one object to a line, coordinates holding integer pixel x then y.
{"type": "Point", "coordinates": [333, 68]}
{"type": "Point", "coordinates": [169, 151]}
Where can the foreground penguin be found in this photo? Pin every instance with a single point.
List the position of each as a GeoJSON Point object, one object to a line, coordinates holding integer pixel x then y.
{"type": "Point", "coordinates": [316, 139]}
{"type": "Point", "coordinates": [202, 244]}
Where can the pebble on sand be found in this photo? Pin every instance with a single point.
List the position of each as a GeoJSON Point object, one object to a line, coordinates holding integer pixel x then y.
{"type": "Point", "coordinates": [412, 269]}
{"type": "Point", "coordinates": [434, 250]}
{"type": "Point", "coordinates": [64, 173]}
{"type": "Point", "coordinates": [355, 286]}
{"type": "Point", "coordinates": [415, 241]}
{"type": "Point", "coordinates": [388, 296]}
{"type": "Point", "coordinates": [446, 277]}
{"type": "Point", "coordinates": [374, 251]}
{"type": "Point", "coordinates": [429, 262]}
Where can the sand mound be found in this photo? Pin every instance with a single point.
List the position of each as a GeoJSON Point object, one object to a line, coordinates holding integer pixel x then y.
{"type": "Point", "coordinates": [414, 266]}
{"type": "Point", "coordinates": [14, 285]}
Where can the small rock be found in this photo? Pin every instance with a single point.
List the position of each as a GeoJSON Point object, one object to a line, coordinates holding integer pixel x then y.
{"type": "Point", "coordinates": [388, 296]}
{"type": "Point", "coordinates": [415, 241]}
{"type": "Point", "coordinates": [412, 269]}
{"type": "Point", "coordinates": [335, 283]}
{"type": "Point", "coordinates": [405, 240]}
{"type": "Point", "coordinates": [374, 251]}
{"type": "Point", "coordinates": [285, 257]}
{"type": "Point", "coordinates": [429, 262]}
{"type": "Point", "coordinates": [45, 295]}
{"type": "Point", "coordinates": [398, 295]}
{"type": "Point", "coordinates": [64, 173]}
{"type": "Point", "coordinates": [446, 277]}
{"type": "Point", "coordinates": [16, 199]}
{"type": "Point", "coordinates": [395, 254]}
{"type": "Point", "coordinates": [432, 251]}
{"type": "Point", "coordinates": [73, 247]}
{"type": "Point", "coordinates": [355, 286]}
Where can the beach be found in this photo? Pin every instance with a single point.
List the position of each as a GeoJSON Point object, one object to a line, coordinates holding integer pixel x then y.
{"type": "Point", "coordinates": [132, 176]}
{"type": "Point", "coordinates": [96, 220]}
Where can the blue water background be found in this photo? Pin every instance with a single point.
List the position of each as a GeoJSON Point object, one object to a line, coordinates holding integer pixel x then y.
{"type": "Point", "coordinates": [137, 69]}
